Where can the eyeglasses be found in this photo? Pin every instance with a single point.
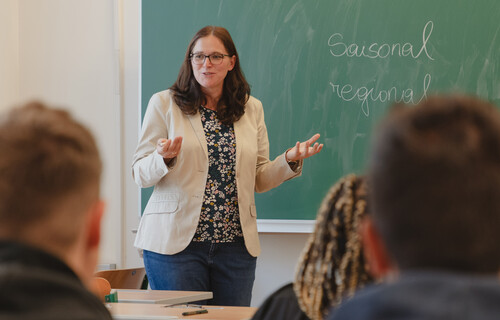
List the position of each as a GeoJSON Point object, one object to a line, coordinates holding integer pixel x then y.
{"type": "Point", "coordinates": [215, 58]}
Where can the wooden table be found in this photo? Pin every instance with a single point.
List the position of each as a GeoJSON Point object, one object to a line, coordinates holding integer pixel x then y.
{"type": "Point", "coordinates": [141, 311]}
{"type": "Point", "coordinates": [162, 296]}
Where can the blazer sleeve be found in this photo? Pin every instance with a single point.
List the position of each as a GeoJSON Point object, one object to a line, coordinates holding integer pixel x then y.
{"type": "Point", "coordinates": [270, 174]}
{"type": "Point", "coordinates": [148, 166]}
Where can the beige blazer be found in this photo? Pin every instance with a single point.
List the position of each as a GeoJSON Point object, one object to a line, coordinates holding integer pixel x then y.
{"type": "Point", "coordinates": [171, 216]}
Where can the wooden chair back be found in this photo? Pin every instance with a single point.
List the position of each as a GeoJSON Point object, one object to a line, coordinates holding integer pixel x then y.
{"type": "Point", "coordinates": [123, 278]}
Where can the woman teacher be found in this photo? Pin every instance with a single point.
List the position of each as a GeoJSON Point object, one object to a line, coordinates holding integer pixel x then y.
{"type": "Point", "coordinates": [204, 148]}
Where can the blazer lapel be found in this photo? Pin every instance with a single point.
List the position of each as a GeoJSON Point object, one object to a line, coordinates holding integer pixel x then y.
{"type": "Point", "coordinates": [195, 121]}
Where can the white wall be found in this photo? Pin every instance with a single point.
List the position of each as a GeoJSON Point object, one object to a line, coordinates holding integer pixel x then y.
{"type": "Point", "coordinates": [84, 55]}
{"type": "Point", "coordinates": [276, 264]}
{"type": "Point", "coordinates": [131, 58]}
{"type": "Point", "coordinates": [9, 53]}
{"type": "Point", "coordinates": [66, 58]}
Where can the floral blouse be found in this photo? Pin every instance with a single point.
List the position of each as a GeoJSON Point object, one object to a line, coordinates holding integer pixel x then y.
{"type": "Point", "coordinates": [220, 219]}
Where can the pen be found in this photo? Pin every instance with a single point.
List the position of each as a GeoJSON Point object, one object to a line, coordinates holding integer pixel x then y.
{"type": "Point", "coordinates": [189, 313]}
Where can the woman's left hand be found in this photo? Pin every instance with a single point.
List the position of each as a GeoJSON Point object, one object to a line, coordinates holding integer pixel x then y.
{"type": "Point", "coordinates": [303, 150]}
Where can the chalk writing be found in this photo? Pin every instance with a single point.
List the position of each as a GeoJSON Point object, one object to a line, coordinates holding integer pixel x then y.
{"type": "Point", "coordinates": [376, 50]}
{"type": "Point", "coordinates": [347, 92]}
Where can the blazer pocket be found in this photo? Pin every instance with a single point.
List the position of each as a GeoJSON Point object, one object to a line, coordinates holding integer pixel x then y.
{"type": "Point", "coordinates": [162, 203]}
{"type": "Point", "coordinates": [253, 211]}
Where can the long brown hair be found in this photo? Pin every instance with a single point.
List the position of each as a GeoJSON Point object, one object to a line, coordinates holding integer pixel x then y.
{"type": "Point", "coordinates": [331, 266]}
{"type": "Point", "coordinates": [187, 91]}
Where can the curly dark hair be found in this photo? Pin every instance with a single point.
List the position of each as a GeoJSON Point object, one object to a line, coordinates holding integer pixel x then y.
{"type": "Point", "coordinates": [187, 91]}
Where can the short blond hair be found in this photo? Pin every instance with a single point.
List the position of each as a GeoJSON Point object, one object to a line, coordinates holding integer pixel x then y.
{"type": "Point", "coordinates": [47, 158]}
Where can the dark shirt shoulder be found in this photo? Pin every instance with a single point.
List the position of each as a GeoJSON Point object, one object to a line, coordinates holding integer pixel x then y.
{"type": "Point", "coordinates": [282, 304]}
{"type": "Point", "coordinates": [426, 295]}
{"type": "Point", "coordinates": [37, 285]}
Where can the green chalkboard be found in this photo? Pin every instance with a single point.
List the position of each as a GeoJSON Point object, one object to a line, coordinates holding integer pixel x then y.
{"type": "Point", "coordinates": [333, 67]}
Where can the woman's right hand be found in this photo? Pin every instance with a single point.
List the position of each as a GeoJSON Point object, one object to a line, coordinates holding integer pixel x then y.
{"type": "Point", "coordinates": [169, 148]}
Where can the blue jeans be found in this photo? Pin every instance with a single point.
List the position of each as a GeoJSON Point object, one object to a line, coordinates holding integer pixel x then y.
{"type": "Point", "coordinates": [226, 269]}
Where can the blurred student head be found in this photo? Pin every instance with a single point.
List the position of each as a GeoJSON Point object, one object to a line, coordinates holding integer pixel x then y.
{"type": "Point", "coordinates": [435, 188]}
{"type": "Point", "coordinates": [332, 267]}
{"type": "Point", "coordinates": [50, 172]}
